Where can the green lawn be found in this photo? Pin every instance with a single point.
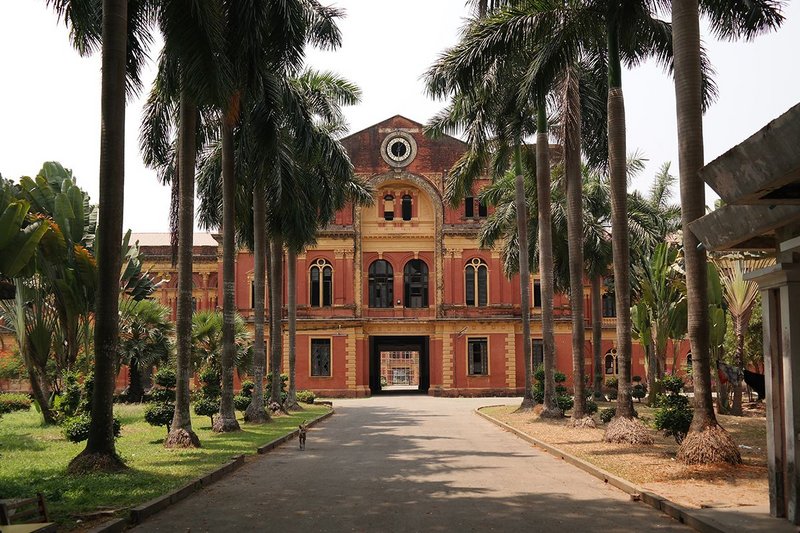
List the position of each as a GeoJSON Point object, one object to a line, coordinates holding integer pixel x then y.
{"type": "Point", "coordinates": [34, 458]}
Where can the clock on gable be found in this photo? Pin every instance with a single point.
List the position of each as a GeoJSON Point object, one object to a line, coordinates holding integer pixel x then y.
{"type": "Point", "coordinates": [398, 149]}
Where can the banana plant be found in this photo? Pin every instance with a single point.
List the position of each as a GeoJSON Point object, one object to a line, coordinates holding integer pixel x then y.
{"type": "Point", "coordinates": [661, 309]}
{"type": "Point", "coordinates": [20, 232]}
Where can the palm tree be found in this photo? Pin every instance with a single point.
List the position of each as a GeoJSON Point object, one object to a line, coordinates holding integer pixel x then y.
{"type": "Point", "coordinates": [495, 129]}
{"type": "Point", "coordinates": [740, 296]}
{"type": "Point", "coordinates": [256, 413]}
{"type": "Point", "coordinates": [706, 441]}
{"type": "Point", "coordinates": [121, 32]}
{"type": "Point", "coordinates": [145, 340]}
{"type": "Point", "coordinates": [189, 77]}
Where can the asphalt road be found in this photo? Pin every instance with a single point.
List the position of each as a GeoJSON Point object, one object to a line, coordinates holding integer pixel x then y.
{"type": "Point", "coordinates": [409, 463]}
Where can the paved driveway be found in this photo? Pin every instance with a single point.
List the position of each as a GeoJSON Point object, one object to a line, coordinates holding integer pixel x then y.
{"type": "Point", "coordinates": [410, 463]}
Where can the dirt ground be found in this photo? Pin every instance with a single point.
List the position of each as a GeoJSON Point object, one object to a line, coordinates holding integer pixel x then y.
{"type": "Point", "coordinates": [654, 467]}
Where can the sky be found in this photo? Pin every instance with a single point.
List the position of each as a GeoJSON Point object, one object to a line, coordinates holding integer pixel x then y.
{"type": "Point", "coordinates": [50, 96]}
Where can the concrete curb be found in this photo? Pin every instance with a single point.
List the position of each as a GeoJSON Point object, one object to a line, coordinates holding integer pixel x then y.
{"type": "Point", "coordinates": [271, 445]}
{"type": "Point", "coordinates": [141, 512]}
{"type": "Point", "coordinates": [637, 493]}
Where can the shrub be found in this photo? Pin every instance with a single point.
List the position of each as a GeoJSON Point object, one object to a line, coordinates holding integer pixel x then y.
{"type": "Point", "coordinates": [636, 379]}
{"type": "Point", "coordinates": [638, 392]}
{"type": "Point", "coordinates": [306, 396]}
{"type": "Point", "coordinates": [565, 403]}
{"type": "Point", "coordinates": [165, 377]}
{"type": "Point", "coordinates": [210, 379]}
{"type": "Point", "coordinates": [12, 366]}
{"type": "Point", "coordinates": [538, 374]}
{"type": "Point", "coordinates": [86, 395]}
{"type": "Point", "coordinates": [611, 388]}
{"type": "Point", "coordinates": [607, 414]}
{"type": "Point", "coordinates": [672, 384]}
{"type": "Point", "coordinates": [674, 416]}
{"type": "Point", "coordinates": [160, 414]}
{"type": "Point", "coordinates": [591, 406]}
{"type": "Point", "coordinates": [284, 381]}
{"type": "Point", "coordinates": [559, 376]}
{"type": "Point", "coordinates": [247, 388]}
{"type": "Point", "coordinates": [206, 407]}
{"type": "Point", "coordinates": [76, 428]}
{"type": "Point", "coordinates": [10, 402]}
{"type": "Point", "coordinates": [538, 392]}
{"type": "Point", "coordinates": [240, 402]}
{"type": "Point", "coordinates": [161, 395]}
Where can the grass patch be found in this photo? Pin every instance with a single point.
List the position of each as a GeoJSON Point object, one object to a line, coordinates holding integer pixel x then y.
{"type": "Point", "coordinates": [34, 458]}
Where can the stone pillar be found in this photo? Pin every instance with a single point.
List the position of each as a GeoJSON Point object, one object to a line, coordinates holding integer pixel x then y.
{"type": "Point", "coordinates": [780, 293]}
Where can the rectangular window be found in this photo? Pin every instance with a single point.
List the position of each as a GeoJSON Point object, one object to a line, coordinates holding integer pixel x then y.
{"type": "Point", "coordinates": [469, 207]}
{"type": "Point", "coordinates": [327, 286]}
{"type": "Point", "coordinates": [478, 356]}
{"type": "Point", "coordinates": [320, 358]}
{"type": "Point", "coordinates": [609, 306]}
{"type": "Point", "coordinates": [537, 294]}
{"type": "Point", "coordinates": [252, 294]}
{"type": "Point", "coordinates": [482, 210]}
{"type": "Point", "coordinates": [537, 353]}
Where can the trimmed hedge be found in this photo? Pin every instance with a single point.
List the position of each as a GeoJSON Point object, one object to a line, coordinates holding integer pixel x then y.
{"type": "Point", "coordinates": [76, 428]}
{"type": "Point", "coordinates": [306, 396]}
{"type": "Point", "coordinates": [10, 402]}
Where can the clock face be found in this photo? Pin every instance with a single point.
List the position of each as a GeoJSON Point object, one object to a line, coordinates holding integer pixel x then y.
{"type": "Point", "coordinates": [398, 149]}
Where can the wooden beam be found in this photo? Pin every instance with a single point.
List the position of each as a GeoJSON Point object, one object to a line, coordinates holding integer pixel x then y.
{"type": "Point", "coordinates": [764, 169]}
{"type": "Point", "coordinates": [734, 226]}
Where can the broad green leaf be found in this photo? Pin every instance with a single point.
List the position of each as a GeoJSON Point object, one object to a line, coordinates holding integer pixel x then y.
{"type": "Point", "coordinates": [23, 246]}
{"type": "Point", "coordinates": [11, 221]}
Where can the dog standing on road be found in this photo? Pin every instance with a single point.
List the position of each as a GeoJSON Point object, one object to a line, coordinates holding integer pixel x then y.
{"type": "Point", "coordinates": [301, 435]}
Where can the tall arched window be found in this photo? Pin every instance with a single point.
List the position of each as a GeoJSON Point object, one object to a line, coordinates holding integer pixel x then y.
{"type": "Point", "coordinates": [381, 284]}
{"type": "Point", "coordinates": [612, 365]}
{"type": "Point", "coordinates": [415, 283]}
{"type": "Point", "coordinates": [476, 276]}
{"type": "Point", "coordinates": [321, 284]}
{"type": "Point", "coordinates": [405, 207]}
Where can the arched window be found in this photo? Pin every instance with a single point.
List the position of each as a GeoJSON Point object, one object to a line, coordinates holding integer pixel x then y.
{"type": "Point", "coordinates": [689, 362]}
{"type": "Point", "coordinates": [476, 290]}
{"type": "Point", "coordinates": [405, 207]}
{"type": "Point", "coordinates": [612, 365]}
{"type": "Point", "coordinates": [381, 284]}
{"type": "Point", "coordinates": [321, 284]}
{"type": "Point", "coordinates": [388, 207]}
{"type": "Point", "coordinates": [415, 283]}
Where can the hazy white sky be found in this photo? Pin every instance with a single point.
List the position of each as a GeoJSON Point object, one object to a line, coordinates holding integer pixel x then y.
{"type": "Point", "coordinates": [49, 96]}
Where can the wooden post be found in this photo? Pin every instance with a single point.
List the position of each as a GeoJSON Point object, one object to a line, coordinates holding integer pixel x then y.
{"type": "Point", "coordinates": [780, 292]}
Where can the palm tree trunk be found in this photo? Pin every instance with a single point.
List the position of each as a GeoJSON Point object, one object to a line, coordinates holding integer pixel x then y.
{"type": "Point", "coordinates": [276, 304]}
{"type": "Point", "coordinates": [597, 336]}
{"type": "Point", "coordinates": [736, 409]}
{"type": "Point", "coordinates": [619, 222]}
{"type": "Point", "coordinates": [41, 394]}
{"type": "Point", "coordinates": [135, 385]}
{"type": "Point", "coordinates": [100, 452]}
{"type": "Point", "coordinates": [574, 191]}
{"type": "Point", "coordinates": [256, 412]}
{"type": "Point", "coordinates": [181, 434]}
{"type": "Point", "coordinates": [706, 441]}
{"type": "Point", "coordinates": [226, 420]}
{"type": "Point", "coordinates": [524, 276]}
{"type": "Point", "coordinates": [291, 282]}
{"type": "Point", "coordinates": [546, 260]}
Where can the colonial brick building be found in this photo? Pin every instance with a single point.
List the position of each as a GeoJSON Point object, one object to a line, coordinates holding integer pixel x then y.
{"type": "Point", "coordinates": [402, 283]}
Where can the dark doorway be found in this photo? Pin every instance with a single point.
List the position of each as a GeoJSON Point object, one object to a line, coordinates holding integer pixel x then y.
{"type": "Point", "coordinates": [399, 364]}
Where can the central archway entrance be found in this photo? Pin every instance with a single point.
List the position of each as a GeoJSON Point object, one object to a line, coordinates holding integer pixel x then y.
{"type": "Point", "coordinates": [399, 364]}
